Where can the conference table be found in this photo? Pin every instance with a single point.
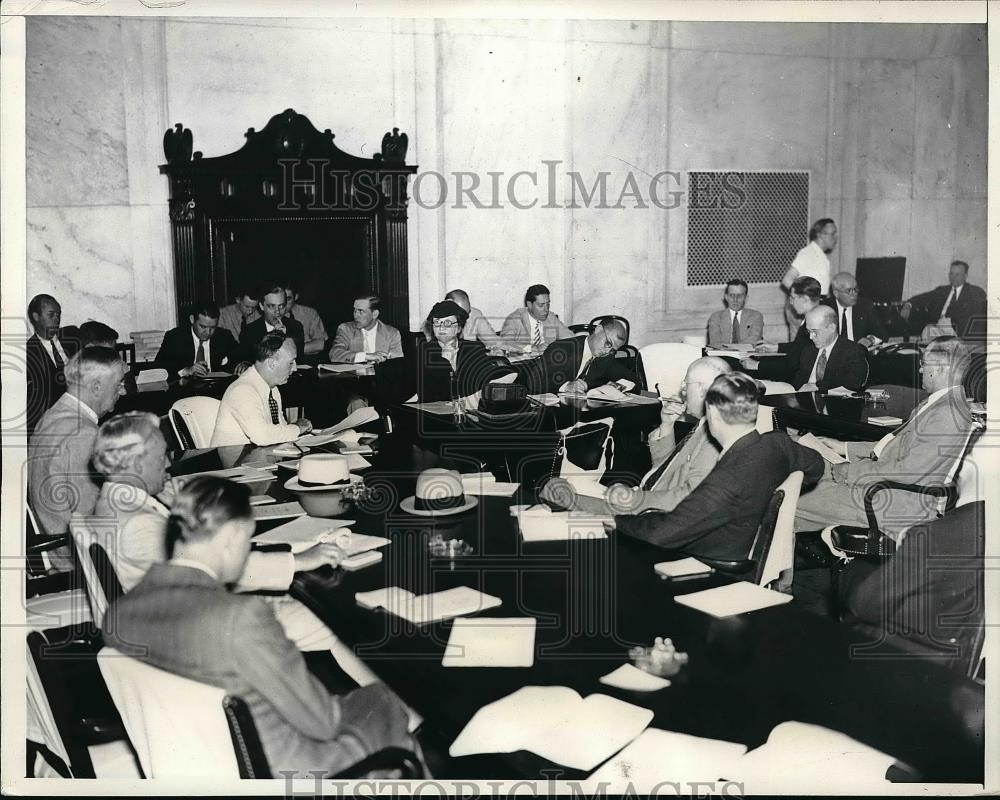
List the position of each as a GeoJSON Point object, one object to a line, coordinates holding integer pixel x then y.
{"type": "Point", "coordinates": [594, 599]}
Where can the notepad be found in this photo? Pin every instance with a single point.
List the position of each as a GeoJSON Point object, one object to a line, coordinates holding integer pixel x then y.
{"type": "Point", "coordinates": [885, 421]}
{"type": "Point", "coordinates": [491, 642]}
{"type": "Point", "coordinates": [542, 524]}
{"type": "Point", "coordinates": [356, 543]}
{"type": "Point", "coordinates": [556, 723]}
{"type": "Point", "coordinates": [483, 484]}
{"type": "Point", "coordinates": [278, 511]}
{"type": "Point", "coordinates": [736, 598]}
{"type": "Point", "coordinates": [682, 568]}
{"type": "Point", "coordinates": [659, 756]}
{"type": "Point", "coordinates": [797, 755]}
{"type": "Point", "coordinates": [304, 532]}
{"type": "Point", "coordinates": [633, 679]}
{"type": "Point", "coordinates": [424, 608]}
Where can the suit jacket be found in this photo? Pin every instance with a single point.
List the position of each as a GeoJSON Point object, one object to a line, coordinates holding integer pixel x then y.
{"type": "Point", "coordinates": [784, 369]}
{"type": "Point", "coordinates": [518, 328]}
{"type": "Point", "coordinates": [45, 382]}
{"type": "Point", "coordinates": [720, 327]}
{"type": "Point", "coordinates": [847, 365]}
{"type": "Point", "coordinates": [968, 313]}
{"type": "Point", "coordinates": [930, 587]}
{"type": "Point", "coordinates": [188, 624]}
{"type": "Point", "coordinates": [349, 341]}
{"type": "Point", "coordinates": [719, 519]}
{"type": "Point", "coordinates": [922, 450]}
{"type": "Point", "coordinates": [256, 331]}
{"type": "Point", "coordinates": [60, 479]}
{"type": "Point", "coordinates": [178, 351]}
{"type": "Point", "coordinates": [864, 319]}
{"type": "Point", "coordinates": [475, 368]}
{"type": "Point", "coordinates": [601, 369]}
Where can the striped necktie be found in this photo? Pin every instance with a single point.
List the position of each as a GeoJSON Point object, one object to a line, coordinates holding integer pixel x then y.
{"type": "Point", "coordinates": [536, 338]}
{"type": "Point", "coordinates": [273, 404]}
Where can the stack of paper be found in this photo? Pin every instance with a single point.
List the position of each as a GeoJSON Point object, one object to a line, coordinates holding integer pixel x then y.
{"type": "Point", "coordinates": [736, 598]}
{"type": "Point", "coordinates": [556, 723]}
{"type": "Point", "coordinates": [424, 608]}
{"type": "Point", "coordinates": [659, 757]}
{"type": "Point", "coordinates": [541, 524]}
{"type": "Point", "coordinates": [800, 758]}
{"type": "Point", "coordinates": [342, 430]}
{"type": "Point", "coordinates": [682, 568]}
{"type": "Point", "coordinates": [885, 421]}
{"type": "Point", "coordinates": [824, 449]}
{"type": "Point", "coordinates": [304, 532]}
{"type": "Point", "coordinates": [485, 484]}
{"type": "Point", "coordinates": [278, 511]}
{"type": "Point", "coordinates": [253, 476]}
{"type": "Point", "coordinates": [491, 642]}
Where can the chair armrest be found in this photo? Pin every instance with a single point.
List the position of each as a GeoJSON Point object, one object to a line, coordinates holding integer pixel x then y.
{"type": "Point", "coordinates": [740, 567]}
{"type": "Point", "coordinates": [388, 758]}
{"type": "Point", "coordinates": [940, 490]}
{"type": "Point", "coordinates": [42, 544]}
{"type": "Point", "coordinates": [49, 584]}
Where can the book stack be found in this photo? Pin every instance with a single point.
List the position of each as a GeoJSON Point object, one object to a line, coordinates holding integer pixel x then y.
{"type": "Point", "coordinates": [147, 344]}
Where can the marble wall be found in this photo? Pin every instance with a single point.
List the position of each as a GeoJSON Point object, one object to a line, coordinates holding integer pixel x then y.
{"type": "Point", "coordinates": [890, 121]}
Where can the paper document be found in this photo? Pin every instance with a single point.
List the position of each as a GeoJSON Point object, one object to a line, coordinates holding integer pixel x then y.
{"type": "Point", "coordinates": [421, 609]}
{"type": "Point", "coordinates": [541, 524]}
{"type": "Point", "coordinates": [355, 543]}
{"type": "Point", "coordinates": [231, 473]}
{"type": "Point", "coordinates": [304, 532]}
{"type": "Point", "coordinates": [355, 461]}
{"type": "Point", "coordinates": [841, 391]}
{"type": "Point", "coordinates": [510, 377]}
{"type": "Point", "coordinates": [547, 399]}
{"type": "Point", "coordinates": [736, 598]}
{"type": "Point", "coordinates": [442, 407]}
{"type": "Point", "coordinates": [556, 723]}
{"type": "Point", "coordinates": [658, 756]}
{"type": "Point", "coordinates": [886, 421]}
{"type": "Point", "coordinates": [821, 447]}
{"type": "Point", "coordinates": [633, 679]}
{"type": "Point", "coordinates": [682, 568]}
{"type": "Point", "coordinates": [355, 368]}
{"type": "Point", "coordinates": [491, 642]}
{"type": "Point", "coordinates": [253, 476]}
{"type": "Point", "coordinates": [485, 485]}
{"type": "Point", "coordinates": [278, 511]}
{"type": "Point", "coordinates": [261, 499]}
{"type": "Point", "coordinates": [796, 753]}
{"type": "Point", "coordinates": [151, 376]}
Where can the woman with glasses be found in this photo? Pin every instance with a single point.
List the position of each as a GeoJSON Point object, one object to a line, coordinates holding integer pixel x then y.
{"type": "Point", "coordinates": [449, 366]}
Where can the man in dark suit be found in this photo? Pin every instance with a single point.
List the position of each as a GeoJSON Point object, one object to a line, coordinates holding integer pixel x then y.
{"type": "Point", "coordinates": [181, 618]}
{"type": "Point", "coordinates": [272, 306]}
{"type": "Point", "coordinates": [595, 358]}
{"type": "Point", "coordinates": [198, 348]}
{"type": "Point", "coordinates": [958, 308]}
{"type": "Point", "coordinates": [929, 589]}
{"type": "Point", "coordinates": [719, 519]}
{"type": "Point", "coordinates": [829, 360]}
{"type": "Point", "coordinates": [856, 317]}
{"type": "Point", "coordinates": [804, 296]}
{"type": "Point", "coordinates": [46, 355]}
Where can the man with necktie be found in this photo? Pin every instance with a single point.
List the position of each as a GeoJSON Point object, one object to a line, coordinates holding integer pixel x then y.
{"type": "Point", "coordinates": [46, 356]}
{"type": "Point", "coordinates": [273, 302]}
{"type": "Point", "coordinates": [958, 308]}
{"type": "Point", "coordinates": [596, 360]}
{"type": "Point", "coordinates": [856, 317]}
{"type": "Point", "coordinates": [200, 347]}
{"type": "Point", "coordinates": [314, 331]}
{"type": "Point", "coordinates": [829, 360]}
{"type": "Point", "coordinates": [251, 408]}
{"type": "Point", "coordinates": [677, 469]}
{"type": "Point", "coordinates": [923, 450]}
{"type": "Point", "coordinates": [236, 316]}
{"type": "Point", "coordinates": [735, 324]}
{"type": "Point", "coordinates": [534, 324]}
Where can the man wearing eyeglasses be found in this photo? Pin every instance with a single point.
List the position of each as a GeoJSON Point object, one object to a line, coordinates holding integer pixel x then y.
{"type": "Point", "coordinates": [829, 360]}
{"type": "Point", "coordinates": [596, 361]}
{"type": "Point", "coordinates": [923, 450]}
{"type": "Point", "coordinates": [856, 317]}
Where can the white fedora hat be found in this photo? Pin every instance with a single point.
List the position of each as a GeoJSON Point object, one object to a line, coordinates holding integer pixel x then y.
{"type": "Point", "coordinates": [322, 472]}
{"type": "Point", "coordinates": [439, 493]}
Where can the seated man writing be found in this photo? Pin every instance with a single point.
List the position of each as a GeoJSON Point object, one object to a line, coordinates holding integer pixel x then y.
{"type": "Point", "coordinates": [719, 519]}
{"type": "Point", "coordinates": [183, 620]}
{"type": "Point", "coordinates": [677, 469]}
{"type": "Point", "coordinates": [596, 359]}
{"type": "Point", "coordinates": [829, 360]}
{"type": "Point", "coordinates": [199, 347]}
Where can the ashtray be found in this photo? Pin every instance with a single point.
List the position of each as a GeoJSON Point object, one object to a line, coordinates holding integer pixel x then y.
{"type": "Point", "coordinates": [437, 545]}
{"type": "Point", "coordinates": [661, 659]}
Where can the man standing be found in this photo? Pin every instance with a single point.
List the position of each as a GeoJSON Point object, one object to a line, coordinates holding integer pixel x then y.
{"type": "Point", "coordinates": [829, 360]}
{"type": "Point", "coordinates": [367, 339]}
{"type": "Point", "coordinates": [922, 450]}
{"type": "Point", "coordinates": [956, 309]}
{"type": "Point", "coordinates": [198, 348]}
{"type": "Point", "coordinates": [813, 260]}
{"type": "Point", "coordinates": [477, 326]}
{"type": "Point", "coordinates": [719, 519]}
{"type": "Point", "coordinates": [312, 326]}
{"type": "Point", "coordinates": [596, 360]}
{"type": "Point", "coordinates": [535, 324]}
{"type": "Point", "coordinates": [856, 317]}
{"type": "Point", "coordinates": [272, 306]}
{"type": "Point", "coordinates": [235, 318]}
{"type": "Point", "coordinates": [735, 324]}
{"type": "Point", "coordinates": [251, 410]}
{"type": "Point", "coordinates": [46, 357]}
{"type": "Point", "coordinates": [60, 481]}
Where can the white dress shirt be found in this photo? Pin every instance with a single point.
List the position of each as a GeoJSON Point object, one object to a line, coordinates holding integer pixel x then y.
{"type": "Point", "coordinates": [957, 290]}
{"type": "Point", "coordinates": [369, 337]}
{"type": "Point", "coordinates": [54, 344]}
{"type": "Point", "coordinates": [206, 347]}
{"type": "Point", "coordinates": [245, 414]}
{"type": "Point", "coordinates": [812, 262]}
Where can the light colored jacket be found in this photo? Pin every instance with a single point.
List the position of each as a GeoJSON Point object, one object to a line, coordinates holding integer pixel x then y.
{"type": "Point", "coordinates": [518, 328]}
{"type": "Point", "coordinates": [350, 341]}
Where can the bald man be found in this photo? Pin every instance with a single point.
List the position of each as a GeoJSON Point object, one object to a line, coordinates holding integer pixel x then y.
{"type": "Point", "coordinates": [856, 317]}
{"type": "Point", "coordinates": [829, 360]}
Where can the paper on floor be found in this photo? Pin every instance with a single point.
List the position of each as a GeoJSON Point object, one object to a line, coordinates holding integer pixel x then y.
{"type": "Point", "coordinates": [491, 642]}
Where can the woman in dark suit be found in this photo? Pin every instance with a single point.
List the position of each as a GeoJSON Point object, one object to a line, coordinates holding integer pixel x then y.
{"type": "Point", "coordinates": [448, 366]}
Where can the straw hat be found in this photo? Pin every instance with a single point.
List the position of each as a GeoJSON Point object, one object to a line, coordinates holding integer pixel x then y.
{"type": "Point", "coordinates": [439, 493]}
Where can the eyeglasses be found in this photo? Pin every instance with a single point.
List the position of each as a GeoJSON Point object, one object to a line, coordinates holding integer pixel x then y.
{"type": "Point", "coordinates": [444, 323]}
{"type": "Point", "coordinates": [852, 290]}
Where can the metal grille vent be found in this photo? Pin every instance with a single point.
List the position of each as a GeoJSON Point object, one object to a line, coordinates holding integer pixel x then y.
{"type": "Point", "coordinates": [745, 225]}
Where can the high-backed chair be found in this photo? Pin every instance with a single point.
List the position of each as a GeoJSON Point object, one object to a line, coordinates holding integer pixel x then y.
{"type": "Point", "coordinates": [631, 354]}
{"type": "Point", "coordinates": [87, 532]}
{"type": "Point", "coordinates": [666, 363]}
{"type": "Point", "coordinates": [193, 420]}
{"type": "Point", "coordinates": [183, 728]}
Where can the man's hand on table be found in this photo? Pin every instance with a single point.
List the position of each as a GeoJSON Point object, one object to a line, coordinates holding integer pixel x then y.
{"type": "Point", "coordinates": [319, 555]}
{"type": "Point", "coordinates": [304, 425]}
{"type": "Point", "coordinates": [199, 370]}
